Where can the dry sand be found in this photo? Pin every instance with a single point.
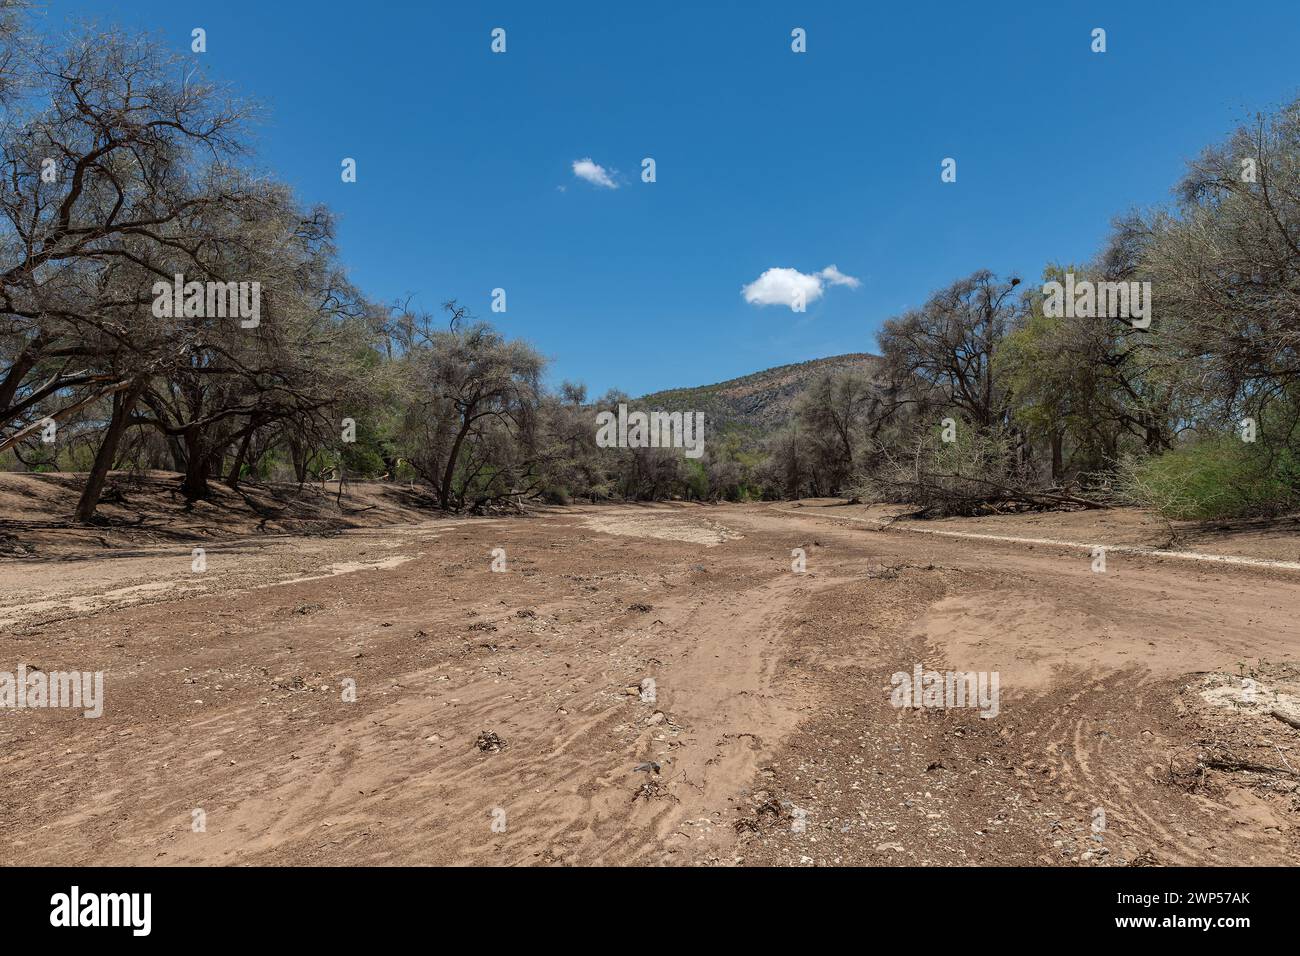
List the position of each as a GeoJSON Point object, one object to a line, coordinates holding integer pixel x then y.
{"type": "Point", "coordinates": [769, 716]}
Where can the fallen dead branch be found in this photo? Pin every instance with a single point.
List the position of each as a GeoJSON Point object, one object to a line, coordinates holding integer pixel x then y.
{"type": "Point", "coordinates": [1285, 718]}
{"type": "Point", "coordinates": [979, 474]}
{"type": "Point", "coordinates": [1232, 763]}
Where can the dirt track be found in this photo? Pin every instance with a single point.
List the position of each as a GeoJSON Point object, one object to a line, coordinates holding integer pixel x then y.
{"type": "Point", "coordinates": [771, 725]}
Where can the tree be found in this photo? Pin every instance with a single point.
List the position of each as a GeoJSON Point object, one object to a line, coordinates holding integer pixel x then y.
{"type": "Point", "coordinates": [298, 365]}
{"type": "Point", "coordinates": [125, 133]}
{"type": "Point", "coordinates": [1086, 387]}
{"type": "Point", "coordinates": [470, 428]}
{"type": "Point", "coordinates": [842, 416]}
{"type": "Point", "coordinates": [1226, 266]}
{"type": "Point", "coordinates": [945, 350]}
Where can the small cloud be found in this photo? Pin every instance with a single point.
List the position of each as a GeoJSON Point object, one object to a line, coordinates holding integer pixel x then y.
{"type": "Point", "coordinates": [836, 277]}
{"type": "Point", "coordinates": [790, 286]}
{"type": "Point", "coordinates": [593, 173]}
{"type": "Point", "coordinates": [783, 287]}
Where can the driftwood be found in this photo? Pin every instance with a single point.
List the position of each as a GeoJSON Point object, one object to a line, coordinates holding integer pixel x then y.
{"type": "Point", "coordinates": [1286, 718]}
{"type": "Point", "coordinates": [1223, 763]}
{"type": "Point", "coordinates": [1046, 497]}
{"type": "Point", "coordinates": [938, 489]}
{"type": "Point", "coordinates": [985, 473]}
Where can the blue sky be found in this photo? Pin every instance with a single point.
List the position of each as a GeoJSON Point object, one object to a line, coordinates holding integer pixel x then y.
{"type": "Point", "coordinates": [765, 158]}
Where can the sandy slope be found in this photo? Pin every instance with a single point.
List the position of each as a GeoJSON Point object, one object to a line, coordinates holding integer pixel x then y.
{"type": "Point", "coordinates": [771, 723]}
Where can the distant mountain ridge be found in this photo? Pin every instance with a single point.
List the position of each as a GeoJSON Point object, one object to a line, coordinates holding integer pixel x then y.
{"type": "Point", "coordinates": [764, 400]}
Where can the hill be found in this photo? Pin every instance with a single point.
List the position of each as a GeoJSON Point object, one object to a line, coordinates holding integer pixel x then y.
{"type": "Point", "coordinates": [764, 400]}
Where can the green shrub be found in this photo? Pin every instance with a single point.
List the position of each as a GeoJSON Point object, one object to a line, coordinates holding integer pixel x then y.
{"type": "Point", "coordinates": [1218, 477]}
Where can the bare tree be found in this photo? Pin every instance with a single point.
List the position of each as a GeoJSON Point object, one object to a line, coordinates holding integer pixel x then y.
{"type": "Point", "coordinates": [945, 349]}
{"type": "Point", "coordinates": [111, 146]}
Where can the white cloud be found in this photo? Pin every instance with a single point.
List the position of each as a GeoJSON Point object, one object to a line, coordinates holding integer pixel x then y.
{"type": "Point", "coordinates": [787, 286]}
{"type": "Point", "coordinates": [836, 277]}
{"type": "Point", "coordinates": [782, 287]}
{"type": "Point", "coordinates": [593, 173]}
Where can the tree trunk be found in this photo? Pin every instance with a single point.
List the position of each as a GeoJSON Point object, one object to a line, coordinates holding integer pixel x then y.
{"type": "Point", "coordinates": [123, 405]}
{"type": "Point", "coordinates": [177, 452]}
{"type": "Point", "coordinates": [198, 464]}
{"type": "Point", "coordinates": [232, 479]}
{"type": "Point", "coordinates": [1058, 458]}
{"type": "Point", "coordinates": [444, 493]}
{"type": "Point", "coordinates": [298, 454]}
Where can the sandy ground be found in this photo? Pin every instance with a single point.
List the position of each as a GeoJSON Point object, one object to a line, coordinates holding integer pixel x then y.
{"type": "Point", "coordinates": [144, 509]}
{"type": "Point", "coordinates": [654, 685]}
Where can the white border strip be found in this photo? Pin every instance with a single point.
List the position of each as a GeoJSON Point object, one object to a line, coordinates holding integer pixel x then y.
{"type": "Point", "coordinates": [1052, 542]}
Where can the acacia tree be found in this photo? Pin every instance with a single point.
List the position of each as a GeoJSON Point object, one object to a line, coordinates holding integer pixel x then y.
{"type": "Point", "coordinates": [13, 47]}
{"type": "Point", "coordinates": [1089, 388]}
{"type": "Point", "coordinates": [843, 417]}
{"type": "Point", "coordinates": [944, 351]}
{"type": "Point", "coordinates": [469, 429]}
{"type": "Point", "coordinates": [1225, 265]}
{"type": "Point", "coordinates": [573, 464]}
{"type": "Point", "coordinates": [788, 469]}
{"type": "Point", "coordinates": [106, 148]}
{"type": "Point", "coordinates": [296, 366]}
{"type": "Point", "coordinates": [118, 167]}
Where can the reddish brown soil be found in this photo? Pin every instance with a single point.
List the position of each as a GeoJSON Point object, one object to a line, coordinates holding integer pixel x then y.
{"type": "Point", "coordinates": [771, 722]}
